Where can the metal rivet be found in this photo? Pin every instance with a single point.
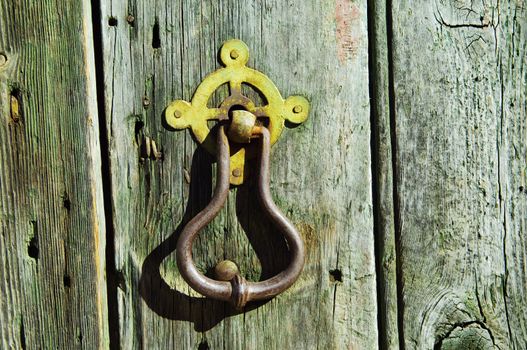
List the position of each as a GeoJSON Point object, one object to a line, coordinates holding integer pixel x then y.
{"type": "Point", "coordinates": [234, 54]}
{"type": "Point", "coordinates": [297, 109]}
{"type": "Point", "coordinates": [3, 59]}
{"type": "Point", "coordinates": [177, 114]}
{"type": "Point", "coordinates": [226, 270]}
{"type": "Point", "coordinates": [237, 172]}
{"type": "Point", "coordinates": [130, 19]}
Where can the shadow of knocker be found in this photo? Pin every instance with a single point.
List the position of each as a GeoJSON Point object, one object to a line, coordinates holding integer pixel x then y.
{"type": "Point", "coordinates": [269, 246]}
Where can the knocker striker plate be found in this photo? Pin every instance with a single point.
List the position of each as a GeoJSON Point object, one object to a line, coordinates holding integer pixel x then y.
{"type": "Point", "coordinates": [234, 54]}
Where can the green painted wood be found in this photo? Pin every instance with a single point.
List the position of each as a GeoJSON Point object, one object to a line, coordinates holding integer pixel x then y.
{"type": "Point", "coordinates": [52, 227]}
{"type": "Point", "coordinates": [160, 51]}
{"type": "Point", "coordinates": [460, 77]}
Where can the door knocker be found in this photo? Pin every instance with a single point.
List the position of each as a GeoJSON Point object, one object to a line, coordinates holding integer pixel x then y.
{"type": "Point", "coordinates": [238, 127]}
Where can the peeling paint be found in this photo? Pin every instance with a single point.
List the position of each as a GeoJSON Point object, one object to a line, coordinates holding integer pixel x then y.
{"type": "Point", "coordinates": [347, 17]}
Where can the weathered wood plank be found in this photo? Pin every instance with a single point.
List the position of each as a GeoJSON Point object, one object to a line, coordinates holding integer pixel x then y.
{"type": "Point", "coordinates": [461, 106]}
{"type": "Point", "coordinates": [160, 51]}
{"type": "Point", "coordinates": [52, 287]}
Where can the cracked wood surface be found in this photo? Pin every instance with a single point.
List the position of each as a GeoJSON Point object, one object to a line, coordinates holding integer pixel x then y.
{"type": "Point", "coordinates": [52, 227]}
{"type": "Point", "coordinates": [320, 171]}
{"type": "Point", "coordinates": [460, 78]}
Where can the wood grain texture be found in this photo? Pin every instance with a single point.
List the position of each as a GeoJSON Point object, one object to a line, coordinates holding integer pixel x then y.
{"type": "Point", "coordinates": [460, 79]}
{"type": "Point", "coordinates": [160, 51]}
{"type": "Point", "coordinates": [52, 236]}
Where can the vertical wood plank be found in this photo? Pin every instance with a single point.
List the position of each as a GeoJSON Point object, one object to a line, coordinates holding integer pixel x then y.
{"type": "Point", "coordinates": [461, 106]}
{"type": "Point", "coordinates": [52, 227]}
{"type": "Point", "coordinates": [160, 51]}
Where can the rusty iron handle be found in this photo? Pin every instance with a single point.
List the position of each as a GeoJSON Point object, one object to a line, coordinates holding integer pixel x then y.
{"type": "Point", "coordinates": [237, 290]}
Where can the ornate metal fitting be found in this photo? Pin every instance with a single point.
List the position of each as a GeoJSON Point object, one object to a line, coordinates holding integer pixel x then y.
{"type": "Point", "coordinates": [234, 54]}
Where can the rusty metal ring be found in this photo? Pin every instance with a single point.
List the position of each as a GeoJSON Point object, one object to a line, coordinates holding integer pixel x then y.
{"type": "Point", "coordinates": [237, 290]}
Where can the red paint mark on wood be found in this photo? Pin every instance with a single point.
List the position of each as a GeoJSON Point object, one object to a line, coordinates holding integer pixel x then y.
{"type": "Point", "coordinates": [347, 16]}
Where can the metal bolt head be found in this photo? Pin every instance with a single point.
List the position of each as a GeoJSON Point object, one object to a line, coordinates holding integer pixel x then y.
{"type": "Point", "coordinates": [226, 270]}
{"type": "Point", "coordinates": [177, 114]}
{"type": "Point", "coordinates": [234, 54]}
{"type": "Point", "coordinates": [297, 109]}
{"type": "Point", "coordinates": [146, 102]}
{"type": "Point", "coordinates": [237, 172]}
{"type": "Point", "coordinates": [130, 19]}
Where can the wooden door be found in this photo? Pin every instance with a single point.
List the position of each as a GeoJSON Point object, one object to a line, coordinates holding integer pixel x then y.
{"type": "Point", "coordinates": [407, 182]}
{"type": "Point", "coordinates": [459, 103]}
{"type": "Point", "coordinates": [320, 174]}
{"type": "Point", "coordinates": [52, 223]}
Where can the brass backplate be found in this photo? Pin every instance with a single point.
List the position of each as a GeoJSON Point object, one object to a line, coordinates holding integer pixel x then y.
{"type": "Point", "coordinates": [195, 114]}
